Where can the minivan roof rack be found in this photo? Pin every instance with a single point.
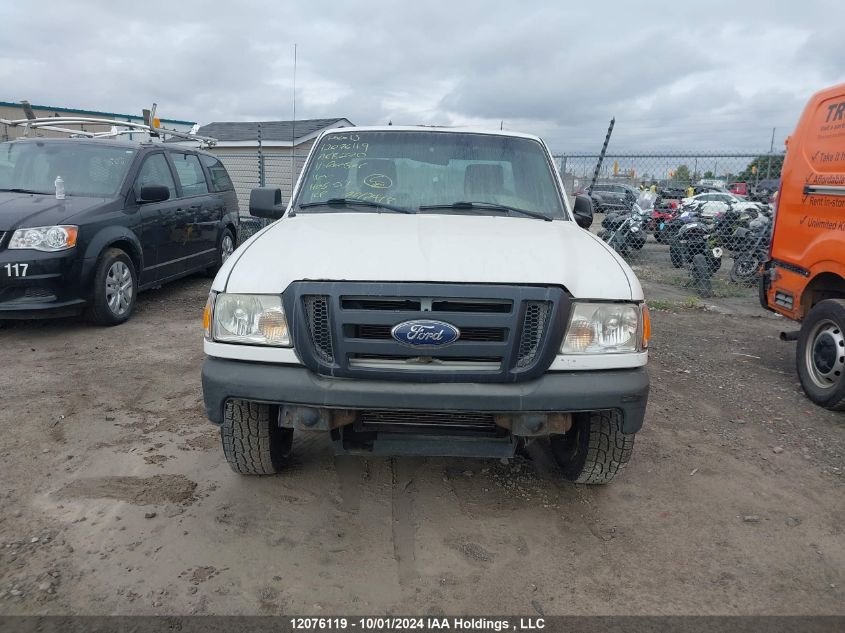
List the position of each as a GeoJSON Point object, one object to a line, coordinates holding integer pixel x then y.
{"type": "Point", "coordinates": [118, 127]}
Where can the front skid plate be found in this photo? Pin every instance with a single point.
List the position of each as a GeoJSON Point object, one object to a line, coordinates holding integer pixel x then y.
{"type": "Point", "coordinates": [406, 444]}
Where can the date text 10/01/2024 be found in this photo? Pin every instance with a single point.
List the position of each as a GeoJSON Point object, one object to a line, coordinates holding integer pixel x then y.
{"type": "Point", "coordinates": [417, 624]}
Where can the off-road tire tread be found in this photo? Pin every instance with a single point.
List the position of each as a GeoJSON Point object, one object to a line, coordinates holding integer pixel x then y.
{"type": "Point", "coordinates": [836, 405]}
{"type": "Point", "coordinates": [608, 450]}
{"type": "Point", "coordinates": [253, 443]}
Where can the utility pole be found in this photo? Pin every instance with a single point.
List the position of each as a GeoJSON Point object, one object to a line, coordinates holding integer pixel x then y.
{"type": "Point", "coordinates": [602, 154]}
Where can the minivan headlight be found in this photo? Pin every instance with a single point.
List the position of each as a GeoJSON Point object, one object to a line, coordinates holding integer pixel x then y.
{"type": "Point", "coordinates": [604, 328]}
{"type": "Point", "coordinates": [250, 319]}
{"type": "Point", "coordinates": [49, 239]}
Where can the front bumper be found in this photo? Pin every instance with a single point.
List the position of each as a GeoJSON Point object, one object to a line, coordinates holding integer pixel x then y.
{"type": "Point", "coordinates": [51, 286]}
{"type": "Point", "coordinates": [555, 392]}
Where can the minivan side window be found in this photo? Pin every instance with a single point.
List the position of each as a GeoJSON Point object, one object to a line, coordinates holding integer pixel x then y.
{"type": "Point", "coordinates": [220, 180]}
{"type": "Point", "coordinates": [190, 174]}
{"type": "Point", "coordinates": [155, 171]}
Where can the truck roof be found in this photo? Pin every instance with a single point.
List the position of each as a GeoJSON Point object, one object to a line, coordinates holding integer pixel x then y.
{"type": "Point", "coordinates": [429, 128]}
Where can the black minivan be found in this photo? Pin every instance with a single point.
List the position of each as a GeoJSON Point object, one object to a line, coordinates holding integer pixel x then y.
{"type": "Point", "coordinates": [86, 224]}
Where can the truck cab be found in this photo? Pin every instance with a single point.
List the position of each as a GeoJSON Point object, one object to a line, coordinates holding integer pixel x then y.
{"type": "Point", "coordinates": [427, 291]}
{"type": "Point", "coordinates": [804, 279]}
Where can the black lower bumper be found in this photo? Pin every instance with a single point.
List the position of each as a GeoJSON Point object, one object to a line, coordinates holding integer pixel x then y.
{"type": "Point", "coordinates": [42, 285]}
{"type": "Point", "coordinates": [623, 389]}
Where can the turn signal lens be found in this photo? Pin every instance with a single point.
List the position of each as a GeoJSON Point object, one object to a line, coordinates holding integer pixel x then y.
{"type": "Point", "coordinates": [206, 315]}
{"type": "Point", "coordinates": [646, 327]}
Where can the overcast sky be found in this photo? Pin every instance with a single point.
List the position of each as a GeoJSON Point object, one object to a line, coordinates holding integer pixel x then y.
{"type": "Point", "coordinates": [685, 76]}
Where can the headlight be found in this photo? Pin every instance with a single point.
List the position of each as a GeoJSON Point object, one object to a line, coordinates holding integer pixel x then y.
{"type": "Point", "coordinates": [604, 328]}
{"type": "Point", "coordinates": [250, 319]}
{"type": "Point", "coordinates": [45, 238]}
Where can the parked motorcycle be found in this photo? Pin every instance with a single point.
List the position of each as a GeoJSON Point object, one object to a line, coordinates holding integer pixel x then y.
{"type": "Point", "coordinates": [698, 252]}
{"type": "Point", "coordinates": [669, 233]}
{"type": "Point", "coordinates": [627, 231]}
{"type": "Point", "coordinates": [752, 249]}
{"type": "Point", "coordinates": [624, 232]}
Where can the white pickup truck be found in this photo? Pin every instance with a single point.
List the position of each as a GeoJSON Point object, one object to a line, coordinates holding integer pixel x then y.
{"type": "Point", "coordinates": [427, 291]}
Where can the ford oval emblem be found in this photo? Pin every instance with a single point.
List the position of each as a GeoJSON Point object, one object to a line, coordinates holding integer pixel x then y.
{"type": "Point", "coordinates": [425, 333]}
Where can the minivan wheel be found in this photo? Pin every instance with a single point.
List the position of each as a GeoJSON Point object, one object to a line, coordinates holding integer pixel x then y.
{"type": "Point", "coordinates": [225, 247]}
{"type": "Point", "coordinates": [820, 355]}
{"type": "Point", "coordinates": [115, 289]}
{"type": "Point", "coordinates": [253, 441]}
{"type": "Point", "coordinates": [595, 449]}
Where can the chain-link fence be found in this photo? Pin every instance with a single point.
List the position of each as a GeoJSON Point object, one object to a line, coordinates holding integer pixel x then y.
{"type": "Point", "coordinates": [259, 169]}
{"type": "Point", "coordinates": [700, 222]}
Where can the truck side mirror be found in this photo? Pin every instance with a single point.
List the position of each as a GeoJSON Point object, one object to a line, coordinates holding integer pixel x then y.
{"type": "Point", "coordinates": [266, 202]}
{"type": "Point", "coordinates": [583, 211]}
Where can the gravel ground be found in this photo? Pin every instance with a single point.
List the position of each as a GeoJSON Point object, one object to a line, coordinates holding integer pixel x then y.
{"type": "Point", "coordinates": [116, 499]}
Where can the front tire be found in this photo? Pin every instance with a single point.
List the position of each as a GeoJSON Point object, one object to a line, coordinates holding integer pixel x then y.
{"type": "Point", "coordinates": [595, 449]}
{"type": "Point", "coordinates": [820, 355]}
{"type": "Point", "coordinates": [115, 288]}
{"type": "Point", "coordinates": [253, 441]}
{"type": "Point", "coordinates": [744, 270]}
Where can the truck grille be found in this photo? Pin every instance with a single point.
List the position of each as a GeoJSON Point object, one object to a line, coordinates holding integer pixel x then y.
{"type": "Point", "coordinates": [507, 333]}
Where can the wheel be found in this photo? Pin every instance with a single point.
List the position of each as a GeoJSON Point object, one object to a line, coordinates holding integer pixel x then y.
{"type": "Point", "coordinates": [253, 441]}
{"type": "Point", "coordinates": [114, 290]}
{"type": "Point", "coordinates": [676, 255]}
{"type": "Point", "coordinates": [595, 449]}
{"type": "Point", "coordinates": [820, 355]}
{"type": "Point", "coordinates": [701, 271]}
{"type": "Point", "coordinates": [744, 270]}
{"type": "Point", "coordinates": [225, 247]}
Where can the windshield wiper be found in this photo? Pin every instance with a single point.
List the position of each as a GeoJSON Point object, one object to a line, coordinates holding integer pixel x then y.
{"type": "Point", "coordinates": [352, 202]}
{"type": "Point", "coordinates": [490, 206]}
{"type": "Point", "coordinates": [18, 190]}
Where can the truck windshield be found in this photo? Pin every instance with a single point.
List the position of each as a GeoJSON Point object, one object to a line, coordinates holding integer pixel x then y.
{"type": "Point", "coordinates": [86, 169]}
{"type": "Point", "coordinates": [430, 172]}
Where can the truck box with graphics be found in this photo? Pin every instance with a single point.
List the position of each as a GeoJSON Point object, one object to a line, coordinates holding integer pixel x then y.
{"type": "Point", "coordinates": [805, 277]}
{"type": "Point", "coordinates": [427, 291]}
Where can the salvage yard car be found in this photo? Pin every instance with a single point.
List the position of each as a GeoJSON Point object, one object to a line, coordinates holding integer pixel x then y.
{"type": "Point", "coordinates": [427, 291]}
{"type": "Point", "coordinates": [85, 224]}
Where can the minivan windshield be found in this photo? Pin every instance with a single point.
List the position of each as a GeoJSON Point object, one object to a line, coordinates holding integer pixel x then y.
{"type": "Point", "coordinates": [87, 169]}
{"type": "Point", "coordinates": [429, 172]}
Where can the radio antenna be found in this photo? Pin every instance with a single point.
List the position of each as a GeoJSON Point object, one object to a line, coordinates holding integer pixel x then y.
{"type": "Point", "coordinates": [293, 127]}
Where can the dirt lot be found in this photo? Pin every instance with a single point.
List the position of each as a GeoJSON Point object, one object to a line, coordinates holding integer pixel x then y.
{"type": "Point", "coordinates": [116, 499]}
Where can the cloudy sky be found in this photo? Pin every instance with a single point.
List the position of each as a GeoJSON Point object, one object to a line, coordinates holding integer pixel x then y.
{"type": "Point", "coordinates": [683, 76]}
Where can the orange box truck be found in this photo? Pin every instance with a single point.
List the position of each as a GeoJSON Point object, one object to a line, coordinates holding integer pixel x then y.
{"type": "Point", "coordinates": [804, 278]}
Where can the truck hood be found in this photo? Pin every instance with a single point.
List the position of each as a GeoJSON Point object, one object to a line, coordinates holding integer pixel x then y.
{"type": "Point", "coordinates": [428, 248]}
{"type": "Point", "coordinates": [28, 209]}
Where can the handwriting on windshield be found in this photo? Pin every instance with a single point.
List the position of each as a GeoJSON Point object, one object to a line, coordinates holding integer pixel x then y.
{"type": "Point", "coordinates": [378, 198]}
{"type": "Point", "coordinates": [339, 154]}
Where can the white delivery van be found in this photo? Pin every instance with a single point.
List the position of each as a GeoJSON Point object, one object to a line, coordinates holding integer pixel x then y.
{"type": "Point", "coordinates": [427, 291]}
